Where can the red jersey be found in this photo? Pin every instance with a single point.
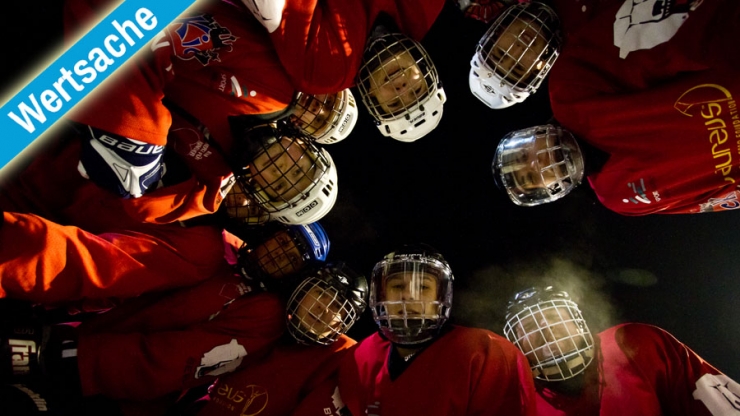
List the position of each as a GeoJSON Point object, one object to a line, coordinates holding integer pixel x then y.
{"type": "Point", "coordinates": [163, 343]}
{"type": "Point", "coordinates": [654, 84]}
{"type": "Point", "coordinates": [293, 379]}
{"type": "Point", "coordinates": [320, 42]}
{"type": "Point", "coordinates": [42, 261]}
{"type": "Point", "coordinates": [213, 62]}
{"type": "Point", "coordinates": [466, 371]}
{"type": "Point", "coordinates": [89, 241]}
{"type": "Point", "coordinates": [642, 370]}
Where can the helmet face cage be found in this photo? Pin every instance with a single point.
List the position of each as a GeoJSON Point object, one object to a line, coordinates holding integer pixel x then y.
{"type": "Point", "coordinates": [554, 337]}
{"type": "Point", "coordinates": [327, 118]}
{"type": "Point", "coordinates": [411, 297]}
{"type": "Point", "coordinates": [325, 306]}
{"type": "Point", "coordinates": [538, 165]}
{"type": "Point", "coordinates": [242, 209]}
{"type": "Point", "coordinates": [397, 76]}
{"type": "Point", "coordinates": [278, 256]}
{"type": "Point", "coordinates": [517, 52]}
{"type": "Point", "coordinates": [283, 172]}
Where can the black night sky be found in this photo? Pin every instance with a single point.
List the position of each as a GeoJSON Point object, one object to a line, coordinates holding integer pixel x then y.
{"type": "Point", "coordinates": [675, 271]}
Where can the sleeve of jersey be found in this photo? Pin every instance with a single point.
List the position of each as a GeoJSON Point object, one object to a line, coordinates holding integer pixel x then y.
{"type": "Point", "coordinates": [124, 120]}
{"type": "Point", "coordinates": [501, 380]}
{"type": "Point", "coordinates": [42, 261]}
{"type": "Point", "coordinates": [319, 42]}
{"type": "Point", "coordinates": [178, 202]}
{"type": "Point", "coordinates": [688, 384]}
{"type": "Point", "coordinates": [147, 365]}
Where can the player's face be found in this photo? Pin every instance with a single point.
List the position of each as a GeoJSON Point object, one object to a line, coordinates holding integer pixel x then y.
{"type": "Point", "coordinates": [240, 205]}
{"type": "Point", "coordinates": [314, 112]}
{"type": "Point", "coordinates": [284, 170]}
{"type": "Point", "coordinates": [548, 333]}
{"type": "Point", "coordinates": [533, 167]}
{"type": "Point", "coordinates": [319, 312]}
{"type": "Point", "coordinates": [517, 50]}
{"type": "Point", "coordinates": [398, 83]}
{"type": "Point", "coordinates": [418, 291]}
{"type": "Point", "coordinates": [278, 256]}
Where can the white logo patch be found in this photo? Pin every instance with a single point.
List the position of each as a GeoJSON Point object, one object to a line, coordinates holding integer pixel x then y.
{"type": "Point", "coordinates": [644, 24]}
{"type": "Point", "coordinates": [221, 359]}
{"type": "Point", "coordinates": [268, 12]}
{"type": "Point", "coordinates": [719, 393]}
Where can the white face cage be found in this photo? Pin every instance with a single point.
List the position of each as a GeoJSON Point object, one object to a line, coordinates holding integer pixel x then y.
{"type": "Point", "coordinates": [410, 297]}
{"type": "Point", "coordinates": [554, 337]}
{"type": "Point", "coordinates": [327, 118]}
{"type": "Point", "coordinates": [537, 165]}
{"type": "Point", "coordinates": [293, 180]}
{"type": "Point", "coordinates": [400, 87]}
{"type": "Point", "coordinates": [318, 313]}
{"type": "Point", "coordinates": [515, 55]}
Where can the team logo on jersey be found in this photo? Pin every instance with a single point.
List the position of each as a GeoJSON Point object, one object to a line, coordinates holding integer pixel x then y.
{"type": "Point", "coordinates": [644, 24]}
{"type": "Point", "coordinates": [719, 393]}
{"type": "Point", "coordinates": [201, 38]}
{"type": "Point", "coordinates": [640, 193]}
{"type": "Point", "coordinates": [727, 202]}
{"type": "Point", "coordinates": [339, 408]}
{"type": "Point", "coordinates": [714, 107]}
{"type": "Point", "coordinates": [252, 399]}
{"type": "Point", "coordinates": [221, 359]}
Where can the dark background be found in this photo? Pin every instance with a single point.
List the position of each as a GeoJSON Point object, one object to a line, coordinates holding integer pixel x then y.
{"type": "Point", "coordinates": [674, 271]}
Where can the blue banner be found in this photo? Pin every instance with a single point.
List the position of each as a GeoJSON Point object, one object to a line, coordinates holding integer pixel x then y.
{"type": "Point", "coordinates": [76, 73]}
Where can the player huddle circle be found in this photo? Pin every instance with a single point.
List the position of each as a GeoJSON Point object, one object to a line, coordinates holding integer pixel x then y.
{"type": "Point", "coordinates": [163, 296]}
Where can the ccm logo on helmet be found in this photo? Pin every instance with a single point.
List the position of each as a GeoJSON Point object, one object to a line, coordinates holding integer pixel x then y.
{"type": "Point", "coordinates": [21, 351]}
{"type": "Point", "coordinates": [310, 206]}
{"type": "Point", "coordinates": [347, 118]}
{"type": "Point", "coordinates": [413, 120]}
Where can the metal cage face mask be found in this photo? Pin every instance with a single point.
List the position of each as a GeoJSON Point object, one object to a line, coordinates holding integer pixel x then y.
{"type": "Point", "coordinates": [284, 172]}
{"type": "Point", "coordinates": [538, 165]}
{"type": "Point", "coordinates": [319, 312]}
{"type": "Point", "coordinates": [554, 337]}
{"type": "Point", "coordinates": [397, 76]}
{"type": "Point", "coordinates": [278, 256]}
{"type": "Point", "coordinates": [411, 297]}
{"type": "Point", "coordinates": [242, 208]}
{"type": "Point", "coordinates": [327, 118]}
{"type": "Point", "coordinates": [517, 52]}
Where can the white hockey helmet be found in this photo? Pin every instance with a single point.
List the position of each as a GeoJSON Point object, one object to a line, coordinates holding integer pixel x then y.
{"type": "Point", "coordinates": [537, 165]}
{"type": "Point", "coordinates": [400, 87]}
{"type": "Point", "coordinates": [411, 294]}
{"type": "Point", "coordinates": [547, 326]}
{"type": "Point", "coordinates": [515, 55]}
{"type": "Point", "coordinates": [290, 178]}
{"type": "Point", "coordinates": [327, 118]}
